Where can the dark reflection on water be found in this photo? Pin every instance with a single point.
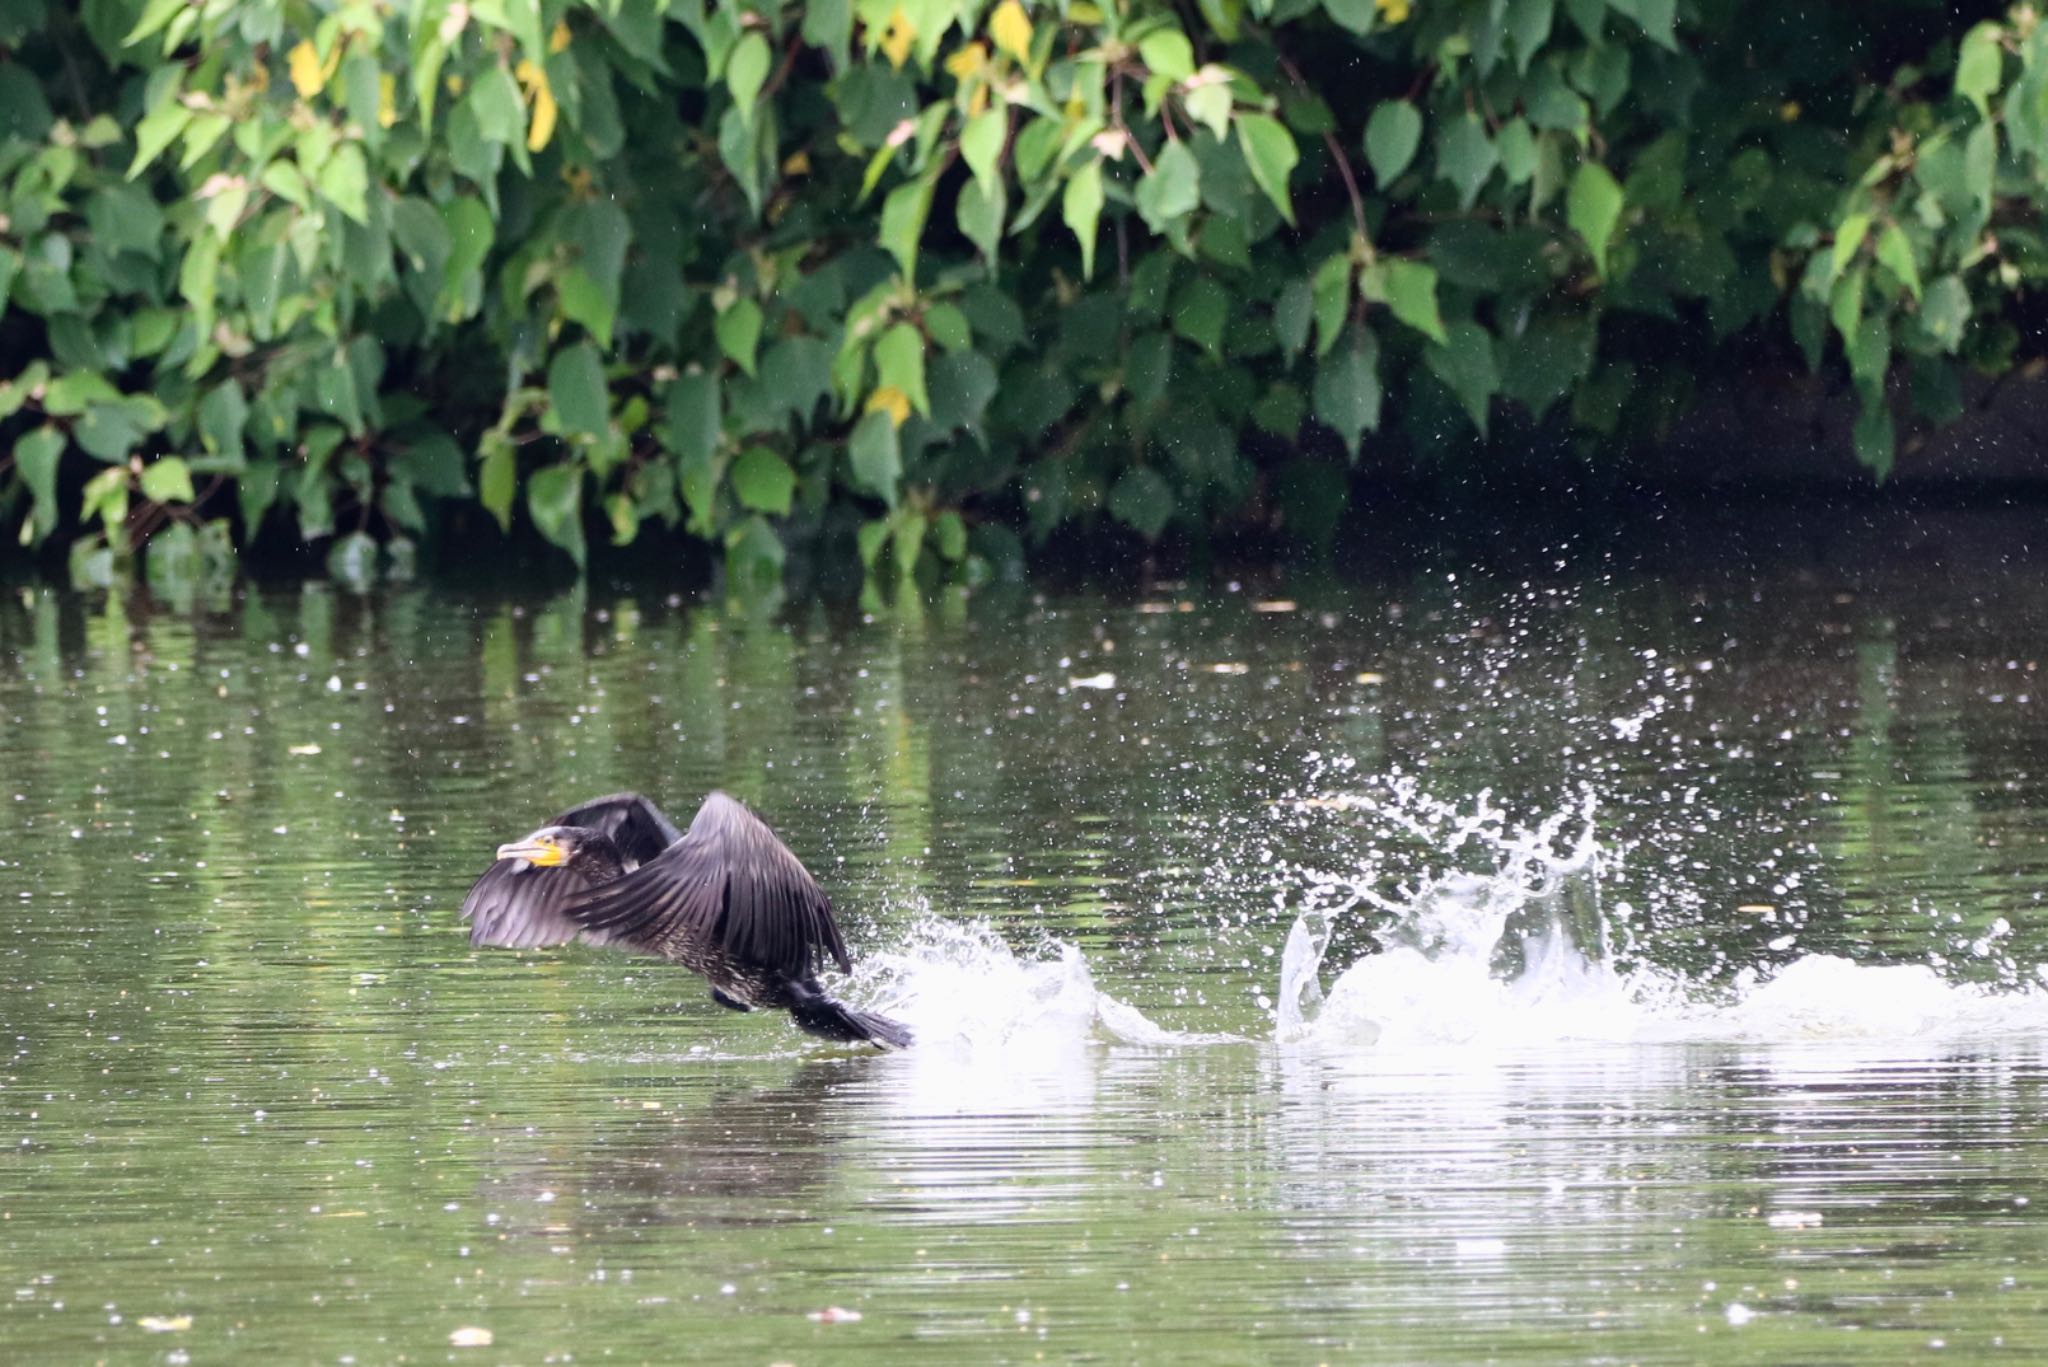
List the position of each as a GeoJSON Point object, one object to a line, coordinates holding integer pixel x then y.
{"type": "Point", "coordinates": [255, 1077]}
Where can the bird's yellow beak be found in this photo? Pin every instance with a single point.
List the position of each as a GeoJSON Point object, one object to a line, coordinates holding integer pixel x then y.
{"type": "Point", "coordinates": [542, 853]}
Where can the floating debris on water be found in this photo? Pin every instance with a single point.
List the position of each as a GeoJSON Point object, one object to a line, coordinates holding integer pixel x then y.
{"type": "Point", "coordinates": [470, 1336]}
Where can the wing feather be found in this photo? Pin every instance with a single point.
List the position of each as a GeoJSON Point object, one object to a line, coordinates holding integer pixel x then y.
{"type": "Point", "coordinates": [729, 880]}
{"type": "Point", "coordinates": [639, 828]}
{"type": "Point", "coordinates": [518, 906]}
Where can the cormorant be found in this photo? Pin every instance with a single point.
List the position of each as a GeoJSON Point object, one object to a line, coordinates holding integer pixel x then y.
{"type": "Point", "coordinates": [725, 899]}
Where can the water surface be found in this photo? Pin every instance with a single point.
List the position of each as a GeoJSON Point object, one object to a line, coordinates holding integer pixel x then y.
{"type": "Point", "coordinates": [1450, 969]}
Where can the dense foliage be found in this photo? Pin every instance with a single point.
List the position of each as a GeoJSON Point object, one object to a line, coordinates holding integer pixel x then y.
{"type": "Point", "coordinates": [903, 282]}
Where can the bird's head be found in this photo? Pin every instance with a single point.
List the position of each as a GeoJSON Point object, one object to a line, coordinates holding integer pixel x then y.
{"type": "Point", "coordinates": [550, 847]}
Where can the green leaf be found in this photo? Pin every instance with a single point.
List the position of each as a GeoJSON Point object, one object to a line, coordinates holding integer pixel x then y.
{"type": "Point", "coordinates": [36, 456]}
{"type": "Point", "coordinates": [1528, 24]}
{"type": "Point", "coordinates": [1331, 291]}
{"type": "Point", "coordinates": [498, 479]}
{"type": "Point", "coordinates": [980, 213]}
{"type": "Point", "coordinates": [1271, 156]}
{"type": "Point", "coordinates": [494, 101]}
{"type": "Point", "coordinates": [746, 71]}
{"type": "Point", "coordinates": [1080, 207]}
{"type": "Point", "coordinates": [763, 481]}
{"type": "Point", "coordinates": [1945, 311]}
{"type": "Point", "coordinates": [167, 479]}
{"type": "Point", "coordinates": [1210, 104]}
{"type": "Point", "coordinates": [981, 145]}
{"type": "Point", "coordinates": [691, 426]}
{"type": "Point", "coordinates": [1347, 389]}
{"type": "Point", "coordinates": [223, 414]}
{"type": "Point", "coordinates": [1172, 188]}
{"type": "Point", "coordinates": [1392, 135]}
{"type": "Point", "coordinates": [1849, 236]}
{"type": "Point", "coordinates": [1518, 154]}
{"type": "Point", "coordinates": [344, 181]}
{"type": "Point", "coordinates": [1979, 64]}
{"type": "Point", "coordinates": [1593, 208]}
{"type": "Point", "coordinates": [739, 332]}
{"type": "Point", "coordinates": [872, 536]}
{"type": "Point", "coordinates": [1358, 16]}
{"type": "Point", "coordinates": [1410, 290]}
{"type": "Point", "coordinates": [158, 130]}
{"type": "Point", "coordinates": [899, 361]}
{"type": "Point", "coordinates": [1465, 362]}
{"type": "Point", "coordinates": [1142, 500]}
{"type": "Point", "coordinates": [577, 397]}
{"type": "Point", "coordinates": [948, 327]}
{"type": "Point", "coordinates": [1895, 254]}
{"type": "Point", "coordinates": [554, 500]}
{"type": "Point", "coordinates": [903, 217]}
{"type": "Point", "coordinates": [471, 232]}
{"type": "Point", "coordinates": [1293, 311]}
{"type": "Point", "coordinates": [949, 536]}
{"type": "Point", "coordinates": [876, 457]}
{"type": "Point", "coordinates": [1540, 366]}
{"type": "Point", "coordinates": [1466, 156]}
{"type": "Point", "coordinates": [1200, 311]}
{"type": "Point", "coordinates": [1168, 52]}
{"type": "Point", "coordinates": [1657, 18]}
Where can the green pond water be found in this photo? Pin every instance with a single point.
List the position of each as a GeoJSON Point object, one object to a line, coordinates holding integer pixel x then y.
{"type": "Point", "coordinates": [1606, 969]}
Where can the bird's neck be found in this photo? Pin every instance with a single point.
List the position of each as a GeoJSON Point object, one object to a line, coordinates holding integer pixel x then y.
{"type": "Point", "coordinates": [598, 861]}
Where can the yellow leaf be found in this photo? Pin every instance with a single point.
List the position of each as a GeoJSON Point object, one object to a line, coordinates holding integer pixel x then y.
{"type": "Point", "coordinates": [544, 112]}
{"type": "Point", "coordinates": [387, 100]}
{"type": "Point", "coordinates": [307, 76]}
{"type": "Point", "coordinates": [1081, 12]}
{"type": "Point", "coordinates": [535, 78]}
{"type": "Point", "coordinates": [797, 163]}
{"type": "Point", "coordinates": [967, 61]}
{"type": "Point", "coordinates": [978, 101]}
{"type": "Point", "coordinates": [1393, 11]}
{"type": "Point", "coordinates": [901, 34]}
{"type": "Point", "coordinates": [1010, 26]}
{"type": "Point", "coordinates": [454, 85]}
{"type": "Point", "coordinates": [558, 41]}
{"type": "Point", "coordinates": [891, 400]}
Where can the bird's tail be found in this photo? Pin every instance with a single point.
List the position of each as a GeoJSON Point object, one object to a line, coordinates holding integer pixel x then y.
{"type": "Point", "coordinates": [831, 1019]}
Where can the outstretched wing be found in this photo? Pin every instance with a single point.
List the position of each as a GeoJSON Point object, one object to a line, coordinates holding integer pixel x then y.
{"type": "Point", "coordinates": [518, 906]}
{"type": "Point", "coordinates": [639, 828]}
{"type": "Point", "coordinates": [730, 881]}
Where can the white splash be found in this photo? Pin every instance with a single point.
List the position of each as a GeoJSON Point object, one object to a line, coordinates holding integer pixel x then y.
{"type": "Point", "coordinates": [1526, 954]}
{"type": "Point", "coordinates": [962, 986]}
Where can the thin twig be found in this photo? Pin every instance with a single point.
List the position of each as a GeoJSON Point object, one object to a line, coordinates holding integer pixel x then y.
{"type": "Point", "coordinates": [1336, 150]}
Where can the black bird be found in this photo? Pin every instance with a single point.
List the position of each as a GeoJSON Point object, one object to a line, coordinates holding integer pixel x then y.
{"type": "Point", "coordinates": [725, 899]}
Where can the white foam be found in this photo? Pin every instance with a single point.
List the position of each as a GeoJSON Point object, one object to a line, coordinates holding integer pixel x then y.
{"type": "Point", "coordinates": [962, 987]}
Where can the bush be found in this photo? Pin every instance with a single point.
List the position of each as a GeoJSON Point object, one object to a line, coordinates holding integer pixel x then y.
{"type": "Point", "coordinates": [903, 279]}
